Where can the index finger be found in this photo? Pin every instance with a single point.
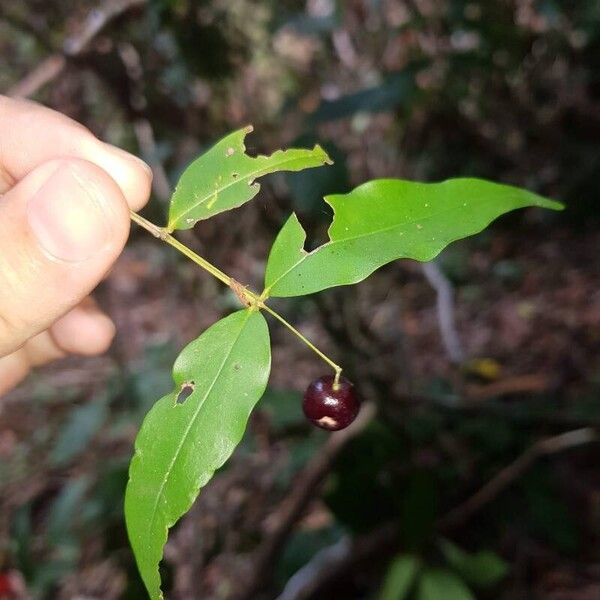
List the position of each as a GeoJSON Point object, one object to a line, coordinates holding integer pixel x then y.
{"type": "Point", "coordinates": [31, 134]}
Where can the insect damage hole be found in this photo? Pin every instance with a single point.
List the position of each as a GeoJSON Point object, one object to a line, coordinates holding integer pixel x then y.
{"type": "Point", "coordinates": [185, 392]}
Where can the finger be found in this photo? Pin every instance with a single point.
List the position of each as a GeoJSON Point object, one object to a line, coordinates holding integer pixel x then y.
{"type": "Point", "coordinates": [85, 330]}
{"type": "Point", "coordinates": [13, 369]}
{"type": "Point", "coordinates": [37, 351]}
{"type": "Point", "coordinates": [61, 228]}
{"type": "Point", "coordinates": [31, 134]}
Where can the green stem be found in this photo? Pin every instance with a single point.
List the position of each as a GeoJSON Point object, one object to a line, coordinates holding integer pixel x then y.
{"type": "Point", "coordinates": [162, 234]}
{"type": "Point", "coordinates": [245, 295]}
{"type": "Point", "coordinates": [333, 365]}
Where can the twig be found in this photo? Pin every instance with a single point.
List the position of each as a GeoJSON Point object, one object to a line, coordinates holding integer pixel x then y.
{"type": "Point", "coordinates": [314, 569]}
{"type": "Point", "coordinates": [331, 564]}
{"type": "Point", "coordinates": [146, 141]}
{"type": "Point", "coordinates": [445, 310]}
{"type": "Point", "coordinates": [142, 127]}
{"type": "Point", "coordinates": [50, 68]}
{"type": "Point", "coordinates": [304, 488]}
{"type": "Point", "coordinates": [344, 556]}
{"type": "Point", "coordinates": [506, 477]}
{"type": "Point", "coordinates": [534, 383]}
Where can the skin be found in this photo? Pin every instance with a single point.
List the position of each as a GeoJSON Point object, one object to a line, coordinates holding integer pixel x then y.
{"type": "Point", "coordinates": [64, 219]}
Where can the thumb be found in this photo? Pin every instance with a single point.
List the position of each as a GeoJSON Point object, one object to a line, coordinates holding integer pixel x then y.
{"type": "Point", "coordinates": [61, 228]}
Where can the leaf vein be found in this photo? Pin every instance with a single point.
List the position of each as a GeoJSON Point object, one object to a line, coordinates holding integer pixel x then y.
{"type": "Point", "coordinates": [331, 242]}
{"type": "Point", "coordinates": [191, 423]}
{"type": "Point", "coordinates": [248, 177]}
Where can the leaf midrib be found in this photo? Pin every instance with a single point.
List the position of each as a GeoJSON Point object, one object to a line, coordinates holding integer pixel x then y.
{"type": "Point", "coordinates": [357, 237]}
{"type": "Point", "coordinates": [384, 230]}
{"type": "Point", "coordinates": [245, 178]}
{"type": "Point", "coordinates": [192, 421]}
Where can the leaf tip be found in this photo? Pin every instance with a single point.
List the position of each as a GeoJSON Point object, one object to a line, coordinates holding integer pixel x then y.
{"type": "Point", "coordinates": [326, 158]}
{"type": "Point", "coordinates": [557, 205]}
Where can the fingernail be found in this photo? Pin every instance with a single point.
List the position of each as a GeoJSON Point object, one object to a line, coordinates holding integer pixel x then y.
{"type": "Point", "coordinates": [122, 155]}
{"type": "Point", "coordinates": [67, 217]}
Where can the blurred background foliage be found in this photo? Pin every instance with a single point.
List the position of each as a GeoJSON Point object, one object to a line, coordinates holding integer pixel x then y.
{"type": "Point", "coordinates": [420, 89]}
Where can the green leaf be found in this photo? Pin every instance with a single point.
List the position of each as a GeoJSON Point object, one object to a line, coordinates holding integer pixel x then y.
{"type": "Point", "coordinates": [436, 584]}
{"type": "Point", "coordinates": [225, 177]}
{"type": "Point", "coordinates": [481, 569]}
{"type": "Point", "coordinates": [383, 220]}
{"type": "Point", "coordinates": [83, 424]}
{"type": "Point", "coordinates": [192, 431]}
{"type": "Point", "coordinates": [398, 89]}
{"type": "Point", "coordinates": [65, 509]}
{"type": "Point", "coordinates": [419, 507]}
{"type": "Point", "coordinates": [399, 577]}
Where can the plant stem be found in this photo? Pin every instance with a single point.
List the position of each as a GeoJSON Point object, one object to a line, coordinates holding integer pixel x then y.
{"type": "Point", "coordinates": [245, 295]}
{"type": "Point", "coordinates": [163, 235]}
{"type": "Point", "coordinates": [333, 365]}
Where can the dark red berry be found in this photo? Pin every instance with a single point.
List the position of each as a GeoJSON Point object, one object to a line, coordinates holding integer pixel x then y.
{"type": "Point", "coordinates": [6, 586]}
{"type": "Point", "coordinates": [330, 406]}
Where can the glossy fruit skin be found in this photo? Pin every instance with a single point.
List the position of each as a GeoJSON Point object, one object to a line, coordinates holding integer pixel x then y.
{"type": "Point", "coordinates": [330, 408]}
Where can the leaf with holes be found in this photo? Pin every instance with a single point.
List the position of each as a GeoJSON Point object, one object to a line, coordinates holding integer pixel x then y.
{"type": "Point", "coordinates": [383, 220]}
{"type": "Point", "coordinates": [225, 177]}
{"type": "Point", "coordinates": [192, 431]}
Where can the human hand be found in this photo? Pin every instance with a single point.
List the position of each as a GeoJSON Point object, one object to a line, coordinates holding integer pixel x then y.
{"type": "Point", "coordinates": [64, 219]}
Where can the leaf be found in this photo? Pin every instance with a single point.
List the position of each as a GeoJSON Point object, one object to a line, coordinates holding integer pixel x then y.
{"type": "Point", "coordinates": [83, 424]}
{"type": "Point", "coordinates": [224, 178]}
{"type": "Point", "coordinates": [192, 431]}
{"type": "Point", "coordinates": [398, 89]}
{"type": "Point", "coordinates": [67, 504]}
{"type": "Point", "coordinates": [436, 584]}
{"type": "Point", "coordinates": [399, 577]}
{"type": "Point", "coordinates": [481, 569]}
{"type": "Point", "coordinates": [419, 506]}
{"type": "Point", "coordinates": [383, 220]}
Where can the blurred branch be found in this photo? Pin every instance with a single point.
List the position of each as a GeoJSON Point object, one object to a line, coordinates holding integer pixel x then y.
{"type": "Point", "coordinates": [344, 48]}
{"type": "Point", "coordinates": [302, 583]}
{"type": "Point", "coordinates": [506, 477]}
{"type": "Point", "coordinates": [533, 383]}
{"type": "Point", "coordinates": [50, 68]}
{"type": "Point", "coordinates": [332, 563]}
{"type": "Point", "coordinates": [142, 127]}
{"type": "Point", "coordinates": [306, 485]}
{"type": "Point", "coordinates": [95, 22]}
{"type": "Point", "coordinates": [445, 310]}
{"type": "Point", "coordinates": [147, 143]}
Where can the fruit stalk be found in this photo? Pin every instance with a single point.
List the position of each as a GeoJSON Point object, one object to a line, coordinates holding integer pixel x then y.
{"type": "Point", "coordinates": [276, 315]}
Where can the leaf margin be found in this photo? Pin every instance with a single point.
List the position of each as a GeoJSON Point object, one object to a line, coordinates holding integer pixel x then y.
{"type": "Point", "coordinates": [294, 230]}
{"type": "Point", "coordinates": [149, 570]}
{"type": "Point", "coordinates": [235, 141]}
